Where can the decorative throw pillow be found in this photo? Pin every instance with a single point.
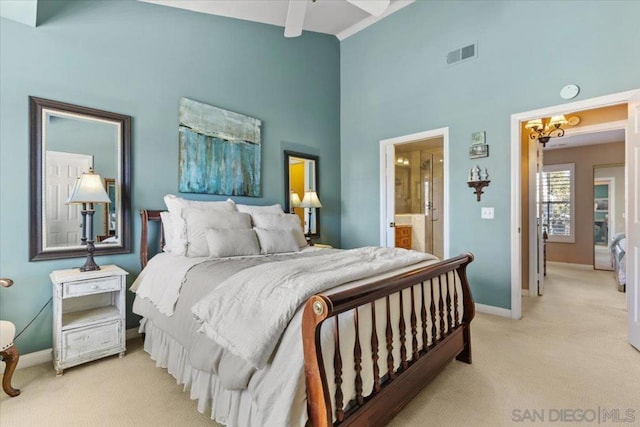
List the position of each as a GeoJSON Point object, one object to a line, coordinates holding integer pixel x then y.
{"type": "Point", "coordinates": [252, 209]}
{"type": "Point", "coordinates": [167, 229]}
{"type": "Point", "coordinates": [198, 221]}
{"type": "Point", "coordinates": [228, 243]}
{"type": "Point", "coordinates": [270, 221]}
{"type": "Point", "coordinates": [175, 205]}
{"type": "Point", "coordinates": [277, 241]}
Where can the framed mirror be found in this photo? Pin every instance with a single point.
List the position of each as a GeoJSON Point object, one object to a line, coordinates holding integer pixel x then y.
{"type": "Point", "coordinates": [301, 176]}
{"type": "Point", "coordinates": [66, 141]}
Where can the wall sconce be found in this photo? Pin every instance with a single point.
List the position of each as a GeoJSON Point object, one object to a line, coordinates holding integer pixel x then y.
{"type": "Point", "coordinates": [545, 129]}
{"type": "Point", "coordinates": [478, 180]}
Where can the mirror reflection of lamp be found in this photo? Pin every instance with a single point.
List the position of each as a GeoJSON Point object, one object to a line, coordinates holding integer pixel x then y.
{"type": "Point", "coordinates": [294, 201]}
{"type": "Point", "coordinates": [88, 190]}
{"type": "Point", "coordinates": [310, 201]}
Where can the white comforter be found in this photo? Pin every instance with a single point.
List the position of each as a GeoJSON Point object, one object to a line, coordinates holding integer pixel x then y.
{"type": "Point", "coordinates": [247, 313]}
{"type": "Point", "coordinates": [171, 272]}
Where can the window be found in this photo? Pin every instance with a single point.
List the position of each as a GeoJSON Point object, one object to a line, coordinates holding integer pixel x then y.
{"type": "Point", "coordinates": [556, 195]}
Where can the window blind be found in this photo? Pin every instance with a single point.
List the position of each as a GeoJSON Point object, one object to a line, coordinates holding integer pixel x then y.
{"type": "Point", "coordinates": [555, 197]}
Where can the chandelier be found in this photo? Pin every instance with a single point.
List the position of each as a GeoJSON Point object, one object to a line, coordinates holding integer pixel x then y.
{"type": "Point", "coordinates": [545, 129]}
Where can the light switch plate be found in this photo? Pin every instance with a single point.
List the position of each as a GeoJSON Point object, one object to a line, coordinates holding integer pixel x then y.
{"type": "Point", "coordinates": [486, 213]}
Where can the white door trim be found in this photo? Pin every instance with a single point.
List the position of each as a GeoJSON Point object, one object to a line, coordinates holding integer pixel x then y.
{"type": "Point", "coordinates": [384, 144]}
{"type": "Point", "coordinates": [516, 211]}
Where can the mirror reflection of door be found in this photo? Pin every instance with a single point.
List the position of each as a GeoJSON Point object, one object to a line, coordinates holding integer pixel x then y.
{"type": "Point", "coordinates": [608, 211]}
{"type": "Point", "coordinates": [419, 196]}
{"type": "Point", "coordinates": [62, 221]}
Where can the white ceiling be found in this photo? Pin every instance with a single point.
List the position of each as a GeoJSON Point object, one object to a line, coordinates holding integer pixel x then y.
{"type": "Point", "coordinates": [580, 139]}
{"type": "Point", "coordinates": [337, 17]}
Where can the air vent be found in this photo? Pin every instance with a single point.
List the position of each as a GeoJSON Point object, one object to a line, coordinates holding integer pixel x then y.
{"type": "Point", "coordinates": [462, 54]}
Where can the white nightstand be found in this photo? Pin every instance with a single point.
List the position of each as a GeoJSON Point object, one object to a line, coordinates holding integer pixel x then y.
{"type": "Point", "coordinates": [88, 315]}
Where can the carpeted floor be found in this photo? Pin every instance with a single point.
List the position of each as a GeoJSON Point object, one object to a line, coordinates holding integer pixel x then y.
{"type": "Point", "coordinates": [568, 354]}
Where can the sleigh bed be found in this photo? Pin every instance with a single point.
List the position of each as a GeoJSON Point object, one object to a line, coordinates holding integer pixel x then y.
{"type": "Point", "coordinates": [354, 354]}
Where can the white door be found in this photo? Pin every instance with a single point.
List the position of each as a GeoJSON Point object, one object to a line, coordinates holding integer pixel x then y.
{"type": "Point", "coordinates": [632, 157]}
{"type": "Point", "coordinates": [540, 225]}
{"type": "Point", "coordinates": [63, 221]}
{"type": "Point", "coordinates": [390, 206]}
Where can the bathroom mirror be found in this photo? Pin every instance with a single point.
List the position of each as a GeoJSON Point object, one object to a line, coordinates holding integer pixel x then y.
{"type": "Point", "coordinates": [67, 140]}
{"type": "Point", "coordinates": [301, 175]}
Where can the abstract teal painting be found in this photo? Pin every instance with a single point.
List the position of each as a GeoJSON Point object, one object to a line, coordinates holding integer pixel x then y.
{"type": "Point", "coordinates": [219, 151]}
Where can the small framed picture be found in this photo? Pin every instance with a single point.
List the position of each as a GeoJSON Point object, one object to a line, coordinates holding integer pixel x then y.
{"type": "Point", "coordinates": [477, 138]}
{"type": "Point", "coordinates": [478, 150]}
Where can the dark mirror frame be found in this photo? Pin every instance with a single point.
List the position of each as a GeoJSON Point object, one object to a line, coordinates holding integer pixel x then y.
{"type": "Point", "coordinates": [36, 156]}
{"type": "Point", "coordinates": [287, 208]}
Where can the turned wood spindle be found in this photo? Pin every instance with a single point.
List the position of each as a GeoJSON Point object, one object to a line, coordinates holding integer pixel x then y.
{"type": "Point", "coordinates": [441, 307]}
{"type": "Point", "coordinates": [414, 327]}
{"type": "Point", "coordinates": [357, 358]}
{"type": "Point", "coordinates": [456, 313]}
{"type": "Point", "coordinates": [374, 349]}
{"type": "Point", "coordinates": [423, 317]}
{"type": "Point", "coordinates": [389, 335]}
{"type": "Point", "coordinates": [403, 336]}
{"type": "Point", "coordinates": [337, 366]}
{"type": "Point", "coordinates": [432, 311]}
{"type": "Point", "coordinates": [449, 321]}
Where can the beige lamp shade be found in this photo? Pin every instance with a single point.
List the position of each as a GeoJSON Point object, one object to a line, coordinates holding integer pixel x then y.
{"type": "Point", "coordinates": [558, 121]}
{"type": "Point", "coordinates": [294, 199]}
{"type": "Point", "coordinates": [88, 189]}
{"type": "Point", "coordinates": [534, 124]}
{"type": "Point", "coordinates": [310, 200]}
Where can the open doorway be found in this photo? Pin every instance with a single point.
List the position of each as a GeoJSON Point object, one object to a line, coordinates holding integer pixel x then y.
{"type": "Point", "coordinates": [631, 101]}
{"type": "Point", "coordinates": [566, 186]}
{"type": "Point", "coordinates": [414, 192]}
{"type": "Point", "coordinates": [419, 196]}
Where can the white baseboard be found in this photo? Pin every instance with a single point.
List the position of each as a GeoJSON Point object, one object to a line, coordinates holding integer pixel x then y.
{"type": "Point", "coordinates": [32, 359]}
{"type": "Point", "coordinates": [46, 356]}
{"type": "Point", "coordinates": [496, 311]}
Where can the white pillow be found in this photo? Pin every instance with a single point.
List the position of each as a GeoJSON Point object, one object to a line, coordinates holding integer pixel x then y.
{"type": "Point", "coordinates": [167, 228]}
{"type": "Point", "coordinates": [253, 209]}
{"type": "Point", "coordinates": [175, 205]}
{"type": "Point", "coordinates": [227, 243]}
{"type": "Point", "coordinates": [198, 221]}
{"type": "Point", "coordinates": [269, 221]}
{"type": "Point", "coordinates": [277, 241]}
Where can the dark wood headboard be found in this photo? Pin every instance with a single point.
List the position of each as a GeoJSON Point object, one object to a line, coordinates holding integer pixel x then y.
{"type": "Point", "coordinates": [149, 215]}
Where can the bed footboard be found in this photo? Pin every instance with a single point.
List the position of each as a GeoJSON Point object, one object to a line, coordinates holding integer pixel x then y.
{"type": "Point", "coordinates": [431, 326]}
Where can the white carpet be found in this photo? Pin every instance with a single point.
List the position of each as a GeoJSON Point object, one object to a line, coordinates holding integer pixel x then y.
{"type": "Point", "coordinates": [568, 352]}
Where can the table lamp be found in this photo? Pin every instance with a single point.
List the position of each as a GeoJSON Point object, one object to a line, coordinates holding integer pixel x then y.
{"type": "Point", "coordinates": [88, 190]}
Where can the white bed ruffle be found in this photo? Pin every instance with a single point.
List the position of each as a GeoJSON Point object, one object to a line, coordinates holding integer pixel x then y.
{"type": "Point", "coordinates": [229, 407]}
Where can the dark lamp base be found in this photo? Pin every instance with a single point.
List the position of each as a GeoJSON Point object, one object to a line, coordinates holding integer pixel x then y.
{"type": "Point", "coordinates": [90, 264]}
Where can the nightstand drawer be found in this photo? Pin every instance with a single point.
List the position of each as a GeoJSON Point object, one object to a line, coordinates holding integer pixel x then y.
{"type": "Point", "coordinates": [91, 340]}
{"type": "Point", "coordinates": [88, 287]}
{"type": "Point", "coordinates": [403, 231]}
{"type": "Point", "coordinates": [403, 242]}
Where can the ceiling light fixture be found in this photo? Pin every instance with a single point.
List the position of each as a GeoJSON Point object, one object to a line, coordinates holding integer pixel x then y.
{"type": "Point", "coordinates": [545, 129]}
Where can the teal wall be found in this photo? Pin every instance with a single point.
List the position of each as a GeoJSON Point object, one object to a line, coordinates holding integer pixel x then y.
{"type": "Point", "coordinates": [138, 59]}
{"type": "Point", "coordinates": [395, 81]}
